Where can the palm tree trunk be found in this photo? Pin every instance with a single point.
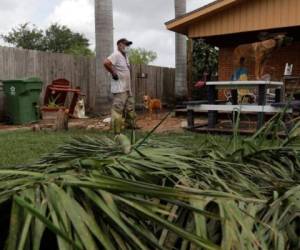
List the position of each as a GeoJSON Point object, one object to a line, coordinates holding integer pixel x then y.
{"type": "Point", "coordinates": [104, 47]}
{"type": "Point", "coordinates": [181, 56]}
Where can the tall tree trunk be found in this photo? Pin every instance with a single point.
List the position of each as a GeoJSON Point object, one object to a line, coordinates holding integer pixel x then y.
{"type": "Point", "coordinates": [190, 68]}
{"type": "Point", "coordinates": [181, 56]}
{"type": "Point", "coordinates": [104, 47]}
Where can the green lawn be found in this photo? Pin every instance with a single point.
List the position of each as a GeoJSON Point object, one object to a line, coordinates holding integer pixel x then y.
{"type": "Point", "coordinates": [25, 147]}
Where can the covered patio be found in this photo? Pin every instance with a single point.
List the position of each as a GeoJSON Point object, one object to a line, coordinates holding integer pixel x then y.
{"type": "Point", "coordinates": [227, 24]}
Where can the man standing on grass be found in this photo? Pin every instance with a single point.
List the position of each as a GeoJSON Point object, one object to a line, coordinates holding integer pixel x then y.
{"type": "Point", "coordinates": [118, 66]}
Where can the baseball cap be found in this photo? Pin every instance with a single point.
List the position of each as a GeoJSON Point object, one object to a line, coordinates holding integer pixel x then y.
{"type": "Point", "coordinates": [124, 41]}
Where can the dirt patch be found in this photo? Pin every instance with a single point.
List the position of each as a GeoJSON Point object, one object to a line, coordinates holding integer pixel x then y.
{"type": "Point", "coordinates": [4, 127]}
{"type": "Point", "coordinates": [144, 121]}
{"type": "Point", "coordinates": [171, 124]}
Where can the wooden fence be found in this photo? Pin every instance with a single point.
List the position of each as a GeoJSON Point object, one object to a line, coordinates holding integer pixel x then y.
{"type": "Point", "coordinates": [154, 81]}
{"type": "Point", "coordinates": [80, 71]}
{"type": "Point", "coordinates": [1, 102]}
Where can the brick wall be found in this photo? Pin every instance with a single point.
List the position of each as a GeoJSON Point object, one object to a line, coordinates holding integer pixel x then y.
{"type": "Point", "coordinates": [290, 54]}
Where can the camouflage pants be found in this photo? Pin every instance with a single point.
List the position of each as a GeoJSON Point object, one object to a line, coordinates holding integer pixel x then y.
{"type": "Point", "coordinates": [122, 112]}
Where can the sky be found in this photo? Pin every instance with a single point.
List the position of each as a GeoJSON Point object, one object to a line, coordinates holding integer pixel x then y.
{"type": "Point", "coordinates": [141, 21]}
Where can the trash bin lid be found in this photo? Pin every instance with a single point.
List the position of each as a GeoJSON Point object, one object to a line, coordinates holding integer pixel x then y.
{"type": "Point", "coordinates": [24, 80]}
{"type": "Point", "coordinates": [21, 86]}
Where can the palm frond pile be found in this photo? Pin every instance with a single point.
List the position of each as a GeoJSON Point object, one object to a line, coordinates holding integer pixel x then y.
{"type": "Point", "coordinates": [90, 195]}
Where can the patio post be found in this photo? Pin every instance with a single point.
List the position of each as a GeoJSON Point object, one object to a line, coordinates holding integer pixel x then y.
{"type": "Point", "coordinates": [212, 115]}
{"type": "Point", "coordinates": [262, 90]}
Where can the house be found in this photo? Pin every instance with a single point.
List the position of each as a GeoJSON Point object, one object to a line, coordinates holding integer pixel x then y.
{"type": "Point", "coordinates": [229, 23]}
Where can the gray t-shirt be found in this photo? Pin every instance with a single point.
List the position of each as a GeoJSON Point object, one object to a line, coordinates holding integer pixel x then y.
{"type": "Point", "coordinates": [122, 68]}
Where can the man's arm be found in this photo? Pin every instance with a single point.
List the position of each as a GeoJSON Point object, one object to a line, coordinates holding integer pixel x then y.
{"type": "Point", "coordinates": [110, 68]}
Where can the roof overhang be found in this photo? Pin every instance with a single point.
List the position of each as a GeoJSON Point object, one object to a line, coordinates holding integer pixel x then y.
{"type": "Point", "coordinates": [231, 40]}
{"type": "Point", "coordinates": [181, 24]}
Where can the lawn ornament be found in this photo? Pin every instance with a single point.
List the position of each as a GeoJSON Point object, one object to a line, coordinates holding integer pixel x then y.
{"type": "Point", "coordinates": [79, 110]}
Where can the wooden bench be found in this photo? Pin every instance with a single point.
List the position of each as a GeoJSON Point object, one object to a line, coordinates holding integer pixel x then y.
{"type": "Point", "coordinates": [212, 108]}
{"type": "Point", "coordinates": [265, 109]}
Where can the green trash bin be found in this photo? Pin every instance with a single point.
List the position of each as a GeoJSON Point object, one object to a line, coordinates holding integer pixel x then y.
{"type": "Point", "coordinates": [22, 97]}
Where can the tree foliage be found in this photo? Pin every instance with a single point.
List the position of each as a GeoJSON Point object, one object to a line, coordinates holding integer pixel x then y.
{"type": "Point", "coordinates": [26, 37]}
{"type": "Point", "coordinates": [141, 56]}
{"type": "Point", "coordinates": [205, 59]}
{"type": "Point", "coordinates": [56, 38]}
{"type": "Point", "coordinates": [62, 39]}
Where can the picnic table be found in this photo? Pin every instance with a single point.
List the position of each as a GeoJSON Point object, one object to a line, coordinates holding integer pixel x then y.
{"type": "Point", "coordinates": [261, 107]}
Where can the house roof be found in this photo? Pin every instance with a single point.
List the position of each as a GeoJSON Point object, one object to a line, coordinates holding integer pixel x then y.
{"type": "Point", "coordinates": [237, 18]}
{"type": "Point", "coordinates": [180, 24]}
